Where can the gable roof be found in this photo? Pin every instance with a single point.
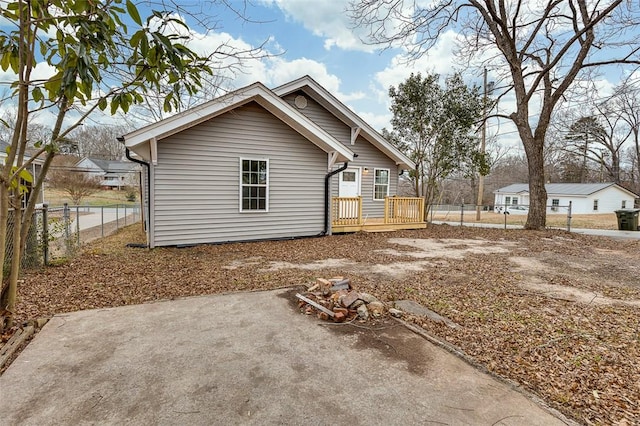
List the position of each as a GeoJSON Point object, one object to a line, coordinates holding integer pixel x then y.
{"type": "Point", "coordinates": [567, 189]}
{"type": "Point", "coordinates": [344, 114]}
{"type": "Point", "coordinates": [110, 166]}
{"type": "Point", "coordinates": [256, 92]}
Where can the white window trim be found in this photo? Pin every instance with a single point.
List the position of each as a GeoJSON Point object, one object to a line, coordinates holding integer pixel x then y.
{"type": "Point", "coordinates": [241, 185]}
{"type": "Point", "coordinates": [374, 183]}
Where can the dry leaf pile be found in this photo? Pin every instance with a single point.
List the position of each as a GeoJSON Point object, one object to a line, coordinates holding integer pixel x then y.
{"type": "Point", "coordinates": [581, 357]}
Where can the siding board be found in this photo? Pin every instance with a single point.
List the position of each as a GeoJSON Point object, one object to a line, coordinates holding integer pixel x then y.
{"type": "Point", "coordinates": [368, 155]}
{"type": "Point", "coordinates": [197, 181]}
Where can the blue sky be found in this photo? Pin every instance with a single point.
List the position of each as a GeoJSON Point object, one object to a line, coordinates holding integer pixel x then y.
{"type": "Point", "coordinates": [314, 37]}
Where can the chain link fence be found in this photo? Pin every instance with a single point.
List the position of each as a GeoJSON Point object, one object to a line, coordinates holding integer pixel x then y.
{"type": "Point", "coordinates": [57, 232]}
{"type": "Point", "coordinates": [34, 246]}
{"type": "Point", "coordinates": [500, 214]}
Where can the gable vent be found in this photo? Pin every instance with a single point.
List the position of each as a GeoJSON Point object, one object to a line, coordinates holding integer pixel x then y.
{"type": "Point", "coordinates": [300, 101]}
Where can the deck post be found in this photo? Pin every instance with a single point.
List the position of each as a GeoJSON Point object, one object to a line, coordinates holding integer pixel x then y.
{"type": "Point", "coordinates": [386, 209]}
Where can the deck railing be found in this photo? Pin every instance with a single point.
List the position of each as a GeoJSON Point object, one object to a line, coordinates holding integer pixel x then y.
{"type": "Point", "coordinates": [403, 209]}
{"type": "Point", "coordinates": [348, 210]}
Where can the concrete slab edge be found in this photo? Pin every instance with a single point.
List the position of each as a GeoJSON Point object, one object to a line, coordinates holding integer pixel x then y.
{"type": "Point", "coordinates": [17, 341]}
{"type": "Point", "coordinates": [469, 360]}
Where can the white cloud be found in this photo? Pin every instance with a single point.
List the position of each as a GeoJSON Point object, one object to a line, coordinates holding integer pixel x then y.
{"type": "Point", "coordinates": [440, 59]}
{"type": "Point", "coordinates": [43, 71]}
{"type": "Point", "coordinates": [327, 19]}
{"type": "Point", "coordinates": [377, 121]}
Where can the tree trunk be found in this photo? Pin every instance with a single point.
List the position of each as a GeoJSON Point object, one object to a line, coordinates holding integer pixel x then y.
{"type": "Point", "coordinates": [537, 217]}
{"type": "Point", "coordinates": [4, 210]}
{"type": "Point", "coordinates": [9, 297]}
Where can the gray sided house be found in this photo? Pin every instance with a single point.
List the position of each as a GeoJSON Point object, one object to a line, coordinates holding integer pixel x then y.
{"type": "Point", "coordinates": [585, 198]}
{"type": "Point", "coordinates": [259, 164]}
{"type": "Point", "coordinates": [113, 174]}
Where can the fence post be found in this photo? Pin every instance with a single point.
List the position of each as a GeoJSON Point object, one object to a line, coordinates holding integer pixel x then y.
{"type": "Point", "coordinates": [505, 212]}
{"type": "Point", "coordinates": [462, 213]}
{"type": "Point", "coordinates": [45, 234]}
{"type": "Point", "coordinates": [117, 224]}
{"type": "Point", "coordinates": [65, 219]}
{"type": "Point", "coordinates": [569, 218]}
{"type": "Point", "coordinates": [125, 215]}
{"type": "Point", "coordinates": [102, 220]}
{"type": "Point", "coordinates": [78, 225]}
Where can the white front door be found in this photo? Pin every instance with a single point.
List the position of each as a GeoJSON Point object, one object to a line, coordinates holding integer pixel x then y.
{"type": "Point", "coordinates": [349, 187]}
{"type": "Point", "coordinates": [349, 183]}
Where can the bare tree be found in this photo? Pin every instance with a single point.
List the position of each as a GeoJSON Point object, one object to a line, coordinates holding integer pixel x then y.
{"type": "Point", "coordinates": [540, 49]}
{"type": "Point", "coordinates": [625, 102]}
{"type": "Point", "coordinates": [100, 142]}
{"type": "Point", "coordinates": [77, 183]}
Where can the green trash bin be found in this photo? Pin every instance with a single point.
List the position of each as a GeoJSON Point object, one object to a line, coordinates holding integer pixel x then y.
{"type": "Point", "coordinates": [628, 219]}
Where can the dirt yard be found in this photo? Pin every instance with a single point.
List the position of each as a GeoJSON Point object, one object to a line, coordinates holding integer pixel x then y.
{"type": "Point", "coordinates": [557, 313]}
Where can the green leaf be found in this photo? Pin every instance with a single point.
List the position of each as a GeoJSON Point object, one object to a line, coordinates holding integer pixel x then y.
{"type": "Point", "coordinates": [37, 94]}
{"type": "Point", "coordinates": [133, 12]}
{"type": "Point", "coordinates": [26, 176]}
{"type": "Point", "coordinates": [115, 104]}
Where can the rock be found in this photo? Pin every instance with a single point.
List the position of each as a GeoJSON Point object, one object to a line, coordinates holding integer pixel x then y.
{"type": "Point", "coordinates": [376, 309]}
{"type": "Point", "coordinates": [415, 308]}
{"type": "Point", "coordinates": [395, 312]}
{"type": "Point", "coordinates": [368, 298]}
{"type": "Point", "coordinates": [339, 295]}
{"type": "Point", "coordinates": [363, 312]}
{"type": "Point", "coordinates": [339, 317]}
{"type": "Point", "coordinates": [349, 299]}
{"type": "Point", "coordinates": [357, 304]}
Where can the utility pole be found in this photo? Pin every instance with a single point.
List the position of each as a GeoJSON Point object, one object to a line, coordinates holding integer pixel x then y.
{"type": "Point", "coordinates": [483, 144]}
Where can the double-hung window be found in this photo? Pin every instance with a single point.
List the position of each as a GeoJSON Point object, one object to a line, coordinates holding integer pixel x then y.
{"type": "Point", "coordinates": [380, 184]}
{"type": "Point", "coordinates": [254, 185]}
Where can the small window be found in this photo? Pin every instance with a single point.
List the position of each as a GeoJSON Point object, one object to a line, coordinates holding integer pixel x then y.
{"type": "Point", "coordinates": [507, 200]}
{"type": "Point", "coordinates": [555, 203]}
{"type": "Point", "coordinates": [348, 176]}
{"type": "Point", "coordinates": [595, 205]}
{"type": "Point", "coordinates": [624, 204]}
{"type": "Point", "coordinates": [254, 185]}
{"type": "Point", "coordinates": [381, 184]}
{"type": "Point", "coordinates": [514, 201]}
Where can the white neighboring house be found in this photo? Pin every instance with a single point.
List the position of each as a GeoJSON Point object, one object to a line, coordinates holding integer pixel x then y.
{"type": "Point", "coordinates": [585, 198]}
{"type": "Point", "coordinates": [113, 174]}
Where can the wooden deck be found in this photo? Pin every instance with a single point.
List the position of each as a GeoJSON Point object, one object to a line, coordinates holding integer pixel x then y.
{"type": "Point", "coordinates": [399, 213]}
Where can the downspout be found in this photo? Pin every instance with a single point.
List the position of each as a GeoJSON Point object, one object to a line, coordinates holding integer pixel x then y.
{"type": "Point", "coordinates": [327, 196]}
{"type": "Point", "coordinates": [148, 189]}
